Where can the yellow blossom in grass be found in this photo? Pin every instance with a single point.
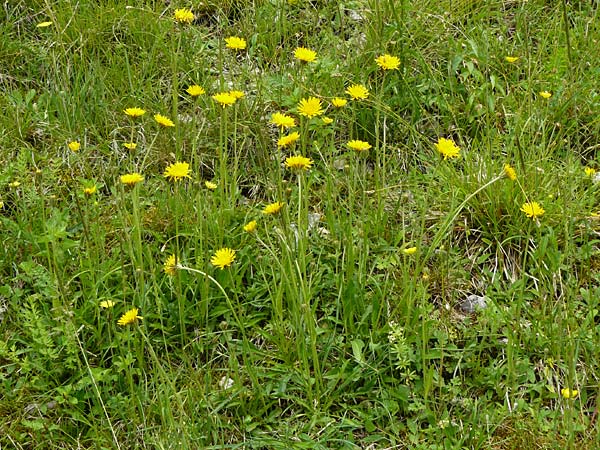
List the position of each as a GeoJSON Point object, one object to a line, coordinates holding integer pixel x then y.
{"type": "Point", "coordinates": [177, 171]}
{"type": "Point", "coordinates": [283, 120]}
{"type": "Point", "coordinates": [289, 139]}
{"type": "Point", "coordinates": [106, 304]}
{"type": "Point", "coordinates": [410, 250]}
{"type": "Point", "coordinates": [224, 98]}
{"type": "Point", "coordinates": [134, 112]}
{"type": "Point", "coordinates": [130, 145]}
{"type": "Point", "coordinates": [545, 94]}
{"type": "Point", "coordinates": [569, 393]}
{"type": "Point", "coordinates": [235, 43]}
{"type": "Point", "coordinates": [250, 227]}
{"type": "Point", "coordinates": [1, 204]}
{"type": "Point", "coordinates": [15, 184]}
{"type": "Point", "coordinates": [237, 94]}
{"type": "Point", "coordinates": [359, 146]}
{"type": "Point", "coordinates": [510, 172]}
{"type": "Point", "coordinates": [210, 185]}
{"type": "Point", "coordinates": [388, 62]}
{"type": "Point", "coordinates": [170, 265]}
{"type": "Point", "coordinates": [532, 210]}
{"type": "Point", "coordinates": [164, 121]}
{"type": "Point", "coordinates": [223, 258]}
{"type": "Point", "coordinates": [184, 15]}
{"type": "Point", "coordinates": [327, 120]}
{"type": "Point", "coordinates": [305, 54]}
{"type": "Point", "coordinates": [310, 107]}
{"type": "Point", "coordinates": [129, 317]}
{"type": "Point", "coordinates": [131, 179]}
{"type": "Point", "coordinates": [194, 90]}
{"type": "Point", "coordinates": [590, 171]}
{"type": "Point", "coordinates": [357, 92]}
{"type": "Point", "coordinates": [447, 148]}
{"type": "Point", "coordinates": [90, 190]}
{"type": "Point", "coordinates": [339, 102]}
{"type": "Point", "coordinates": [272, 208]}
{"type": "Point", "coordinates": [44, 24]}
{"type": "Point", "coordinates": [298, 162]}
{"type": "Point", "coordinates": [511, 59]}
{"type": "Point", "coordinates": [74, 145]}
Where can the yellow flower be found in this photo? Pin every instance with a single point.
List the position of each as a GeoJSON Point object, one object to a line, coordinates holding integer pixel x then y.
{"type": "Point", "coordinates": [388, 62]}
{"type": "Point", "coordinates": [224, 98]}
{"type": "Point", "coordinates": [44, 24]}
{"type": "Point", "coordinates": [74, 145]}
{"type": "Point", "coordinates": [327, 120]}
{"type": "Point", "coordinates": [305, 54]}
{"type": "Point", "coordinates": [130, 145]}
{"type": "Point", "coordinates": [310, 107]}
{"type": "Point", "coordinates": [283, 120]}
{"type": "Point", "coordinates": [510, 172]}
{"type": "Point", "coordinates": [235, 43]}
{"type": "Point", "coordinates": [410, 250]}
{"type": "Point", "coordinates": [177, 171]}
{"type": "Point", "coordinates": [272, 208]}
{"type": "Point", "coordinates": [134, 112]}
{"type": "Point", "coordinates": [194, 90]}
{"type": "Point", "coordinates": [170, 265]}
{"type": "Point", "coordinates": [15, 184]}
{"type": "Point", "coordinates": [237, 94]}
{"type": "Point", "coordinates": [545, 94]}
{"type": "Point", "coordinates": [91, 190]}
{"type": "Point", "coordinates": [223, 258]}
{"type": "Point", "coordinates": [164, 121]}
{"type": "Point", "coordinates": [184, 15]}
{"type": "Point", "coordinates": [129, 317]}
{"type": "Point", "coordinates": [511, 59]}
{"type": "Point", "coordinates": [357, 92]}
{"type": "Point", "coordinates": [106, 304]}
{"type": "Point", "coordinates": [131, 179]}
{"type": "Point", "coordinates": [590, 171]}
{"type": "Point", "coordinates": [289, 139]}
{"type": "Point", "coordinates": [339, 102]}
{"type": "Point", "coordinates": [359, 146]}
{"type": "Point", "coordinates": [569, 393]}
{"type": "Point", "coordinates": [210, 185]}
{"type": "Point", "coordinates": [447, 148]}
{"type": "Point", "coordinates": [532, 210]}
{"type": "Point", "coordinates": [298, 162]}
{"type": "Point", "coordinates": [250, 227]}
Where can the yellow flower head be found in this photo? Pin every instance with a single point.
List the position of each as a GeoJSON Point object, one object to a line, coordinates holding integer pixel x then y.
{"type": "Point", "coordinates": [310, 107]}
{"type": "Point", "coordinates": [194, 90]}
{"type": "Point", "coordinates": [237, 94]}
{"type": "Point", "coordinates": [131, 179]}
{"type": "Point", "coordinates": [235, 43]}
{"type": "Point", "coordinates": [272, 208]}
{"type": "Point", "coordinates": [74, 146]}
{"type": "Point", "coordinates": [43, 24]}
{"type": "Point", "coordinates": [90, 190]}
{"type": "Point", "coordinates": [510, 172]}
{"type": "Point", "coordinates": [590, 171]}
{"type": "Point", "coordinates": [130, 145]}
{"type": "Point", "coordinates": [106, 304]}
{"type": "Point", "coordinates": [305, 54]}
{"type": "Point", "coordinates": [339, 102]}
{"type": "Point", "coordinates": [545, 94]}
{"type": "Point", "coordinates": [283, 120]}
{"type": "Point", "coordinates": [569, 393]}
{"type": "Point", "coordinates": [410, 250]}
{"type": "Point", "coordinates": [511, 59]}
{"type": "Point", "coordinates": [170, 265]}
{"type": "Point", "coordinates": [357, 92]}
{"type": "Point", "coordinates": [15, 184]}
{"type": "Point", "coordinates": [298, 162]}
{"type": "Point", "coordinates": [224, 98]}
{"type": "Point", "coordinates": [447, 148]}
{"type": "Point", "coordinates": [184, 15]}
{"type": "Point", "coordinates": [250, 227]}
{"type": "Point", "coordinates": [387, 62]}
{"type": "Point", "coordinates": [164, 121]}
{"type": "Point", "coordinates": [289, 139]}
{"type": "Point", "coordinates": [134, 112]}
{"type": "Point", "coordinates": [359, 146]}
{"type": "Point", "coordinates": [223, 258]}
{"type": "Point", "coordinates": [129, 317]}
{"type": "Point", "coordinates": [532, 210]}
{"type": "Point", "coordinates": [210, 185]}
{"type": "Point", "coordinates": [327, 120]}
{"type": "Point", "coordinates": [177, 171]}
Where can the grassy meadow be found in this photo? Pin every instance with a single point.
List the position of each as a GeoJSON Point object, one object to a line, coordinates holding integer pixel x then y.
{"type": "Point", "coordinates": [293, 224]}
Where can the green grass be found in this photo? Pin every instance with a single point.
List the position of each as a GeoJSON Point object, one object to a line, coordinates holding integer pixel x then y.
{"type": "Point", "coordinates": [324, 332]}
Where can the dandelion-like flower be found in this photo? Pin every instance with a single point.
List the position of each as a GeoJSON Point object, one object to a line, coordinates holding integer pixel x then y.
{"type": "Point", "coordinates": [569, 393]}
{"type": "Point", "coordinates": [15, 184]}
{"type": "Point", "coordinates": [184, 15]}
{"type": "Point", "coordinates": [74, 146]}
{"type": "Point", "coordinates": [511, 59]}
{"type": "Point", "coordinates": [358, 92]}
{"type": "Point", "coordinates": [237, 94]}
{"type": "Point", "coordinates": [106, 304]}
{"type": "Point", "coordinates": [305, 54]}
{"type": "Point", "coordinates": [532, 210]}
{"type": "Point", "coordinates": [339, 102]}
{"type": "Point", "coordinates": [590, 171]}
{"type": "Point", "coordinates": [210, 185]}
{"type": "Point", "coordinates": [250, 227]}
{"type": "Point", "coordinates": [510, 172]}
{"type": "Point", "coordinates": [283, 120]}
{"type": "Point", "coordinates": [129, 317]}
{"type": "Point", "coordinates": [170, 265]}
{"type": "Point", "coordinates": [224, 99]}
{"type": "Point", "coordinates": [90, 190]}
{"type": "Point", "coordinates": [163, 121]}
{"type": "Point", "coordinates": [388, 62]}
{"type": "Point", "coordinates": [359, 146]}
{"type": "Point", "coordinates": [134, 112]}
{"type": "Point", "coordinates": [194, 90]}
{"type": "Point", "coordinates": [131, 179]}
{"type": "Point", "coordinates": [235, 43]}
{"type": "Point", "coordinates": [177, 171]}
{"type": "Point", "coordinates": [447, 148]}
{"type": "Point", "coordinates": [410, 251]}
{"type": "Point", "coordinates": [44, 24]}
{"type": "Point", "coordinates": [327, 120]}
{"type": "Point", "coordinates": [130, 145]}
{"type": "Point", "coordinates": [310, 107]}
{"type": "Point", "coordinates": [298, 162]}
{"type": "Point", "coordinates": [545, 94]}
{"type": "Point", "coordinates": [223, 258]}
{"type": "Point", "coordinates": [289, 139]}
{"type": "Point", "coordinates": [272, 208]}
